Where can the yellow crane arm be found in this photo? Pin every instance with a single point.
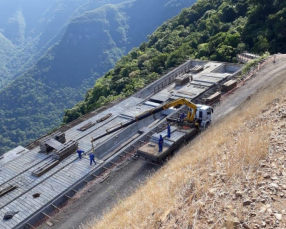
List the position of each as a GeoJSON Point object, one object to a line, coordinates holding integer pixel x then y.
{"type": "Point", "coordinates": [175, 103]}
{"type": "Point", "coordinates": [190, 115]}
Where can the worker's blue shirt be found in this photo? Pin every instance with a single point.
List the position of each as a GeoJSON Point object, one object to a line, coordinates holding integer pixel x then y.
{"type": "Point", "coordinates": [182, 116]}
{"type": "Point", "coordinates": [79, 151]}
{"type": "Point", "coordinates": [91, 156]}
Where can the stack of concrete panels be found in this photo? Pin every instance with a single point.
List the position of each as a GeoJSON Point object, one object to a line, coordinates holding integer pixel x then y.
{"type": "Point", "coordinates": [86, 126]}
{"type": "Point", "coordinates": [212, 98]}
{"type": "Point", "coordinates": [175, 136]}
{"type": "Point", "coordinates": [164, 133]}
{"type": "Point", "coordinates": [45, 167]}
{"type": "Point", "coordinates": [227, 86]}
{"type": "Point", "coordinates": [68, 148]}
{"type": "Point", "coordinates": [55, 139]}
{"type": "Point", "coordinates": [183, 79]}
{"type": "Point", "coordinates": [60, 137]}
{"type": "Point", "coordinates": [197, 69]}
{"type": "Point", "coordinates": [4, 189]}
{"type": "Point", "coordinates": [104, 118]}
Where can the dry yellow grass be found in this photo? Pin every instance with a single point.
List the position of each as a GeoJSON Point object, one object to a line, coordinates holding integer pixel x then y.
{"type": "Point", "coordinates": [182, 193]}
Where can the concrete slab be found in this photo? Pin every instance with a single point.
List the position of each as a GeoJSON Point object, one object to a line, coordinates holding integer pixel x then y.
{"type": "Point", "coordinates": [135, 111]}
{"type": "Point", "coordinates": [152, 104]}
{"type": "Point", "coordinates": [208, 79]}
{"type": "Point", "coordinates": [116, 110]}
{"type": "Point", "coordinates": [190, 91]}
{"type": "Point", "coordinates": [12, 155]}
{"type": "Point", "coordinates": [216, 75]}
{"type": "Point", "coordinates": [54, 144]}
{"type": "Point", "coordinates": [153, 149]}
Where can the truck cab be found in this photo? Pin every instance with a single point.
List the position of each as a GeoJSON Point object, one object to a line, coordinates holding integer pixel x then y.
{"type": "Point", "coordinates": [204, 115]}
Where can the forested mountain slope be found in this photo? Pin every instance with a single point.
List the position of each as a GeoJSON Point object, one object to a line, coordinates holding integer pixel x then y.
{"type": "Point", "coordinates": [34, 103]}
{"type": "Point", "coordinates": [215, 30]}
{"type": "Point", "coordinates": [29, 27]}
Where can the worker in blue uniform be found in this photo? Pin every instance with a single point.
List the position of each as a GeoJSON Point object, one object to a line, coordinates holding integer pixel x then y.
{"type": "Point", "coordinates": [169, 130]}
{"type": "Point", "coordinates": [182, 117]}
{"type": "Point", "coordinates": [160, 143]}
{"type": "Point", "coordinates": [79, 152]}
{"type": "Point", "coordinates": [91, 158]}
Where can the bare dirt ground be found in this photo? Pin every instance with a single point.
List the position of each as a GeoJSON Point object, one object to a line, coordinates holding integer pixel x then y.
{"type": "Point", "coordinates": [98, 198]}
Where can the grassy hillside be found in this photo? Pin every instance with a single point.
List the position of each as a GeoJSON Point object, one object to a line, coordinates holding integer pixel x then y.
{"type": "Point", "coordinates": [215, 30]}
{"type": "Point", "coordinates": [232, 176]}
{"type": "Point", "coordinates": [34, 103]}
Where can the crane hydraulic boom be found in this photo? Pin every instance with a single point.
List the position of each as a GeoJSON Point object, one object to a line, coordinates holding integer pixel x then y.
{"type": "Point", "coordinates": [175, 103]}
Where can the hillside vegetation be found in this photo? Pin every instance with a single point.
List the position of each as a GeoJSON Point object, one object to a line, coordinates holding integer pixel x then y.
{"type": "Point", "coordinates": [215, 30]}
{"type": "Point", "coordinates": [231, 176]}
{"type": "Point", "coordinates": [27, 29]}
{"type": "Point", "coordinates": [34, 103]}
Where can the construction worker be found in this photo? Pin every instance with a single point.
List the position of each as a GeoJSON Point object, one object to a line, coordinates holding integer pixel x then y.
{"type": "Point", "coordinates": [169, 130]}
{"type": "Point", "coordinates": [160, 143]}
{"type": "Point", "coordinates": [91, 158]}
{"type": "Point", "coordinates": [182, 117]}
{"type": "Point", "coordinates": [79, 152]}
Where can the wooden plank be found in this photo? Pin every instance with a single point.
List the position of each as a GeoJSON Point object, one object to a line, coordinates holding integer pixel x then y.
{"type": "Point", "coordinates": [31, 226]}
{"type": "Point", "coordinates": [7, 189]}
{"type": "Point", "coordinates": [86, 126]}
{"type": "Point", "coordinates": [214, 97]}
{"type": "Point", "coordinates": [228, 85]}
{"type": "Point", "coordinates": [55, 207]}
{"type": "Point", "coordinates": [45, 214]}
{"type": "Point", "coordinates": [42, 170]}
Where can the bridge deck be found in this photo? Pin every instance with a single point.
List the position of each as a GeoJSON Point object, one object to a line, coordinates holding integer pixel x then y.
{"type": "Point", "coordinates": [57, 181]}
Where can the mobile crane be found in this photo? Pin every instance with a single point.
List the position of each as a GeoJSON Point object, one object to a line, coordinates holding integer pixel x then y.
{"type": "Point", "coordinates": [197, 114]}
{"type": "Point", "coordinates": [198, 117]}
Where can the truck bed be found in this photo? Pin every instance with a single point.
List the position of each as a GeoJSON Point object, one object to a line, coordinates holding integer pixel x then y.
{"type": "Point", "coordinates": [150, 149]}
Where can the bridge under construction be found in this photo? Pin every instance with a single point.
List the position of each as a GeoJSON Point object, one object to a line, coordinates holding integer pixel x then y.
{"type": "Point", "coordinates": [39, 178]}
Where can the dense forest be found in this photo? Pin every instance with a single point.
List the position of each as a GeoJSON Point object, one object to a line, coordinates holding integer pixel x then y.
{"type": "Point", "coordinates": [28, 29]}
{"type": "Point", "coordinates": [210, 29]}
{"type": "Point", "coordinates": [34, 103]}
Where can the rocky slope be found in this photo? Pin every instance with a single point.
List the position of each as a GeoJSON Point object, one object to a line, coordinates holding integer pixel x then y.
{"type": "Point", "coordinates": [231, 176]}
